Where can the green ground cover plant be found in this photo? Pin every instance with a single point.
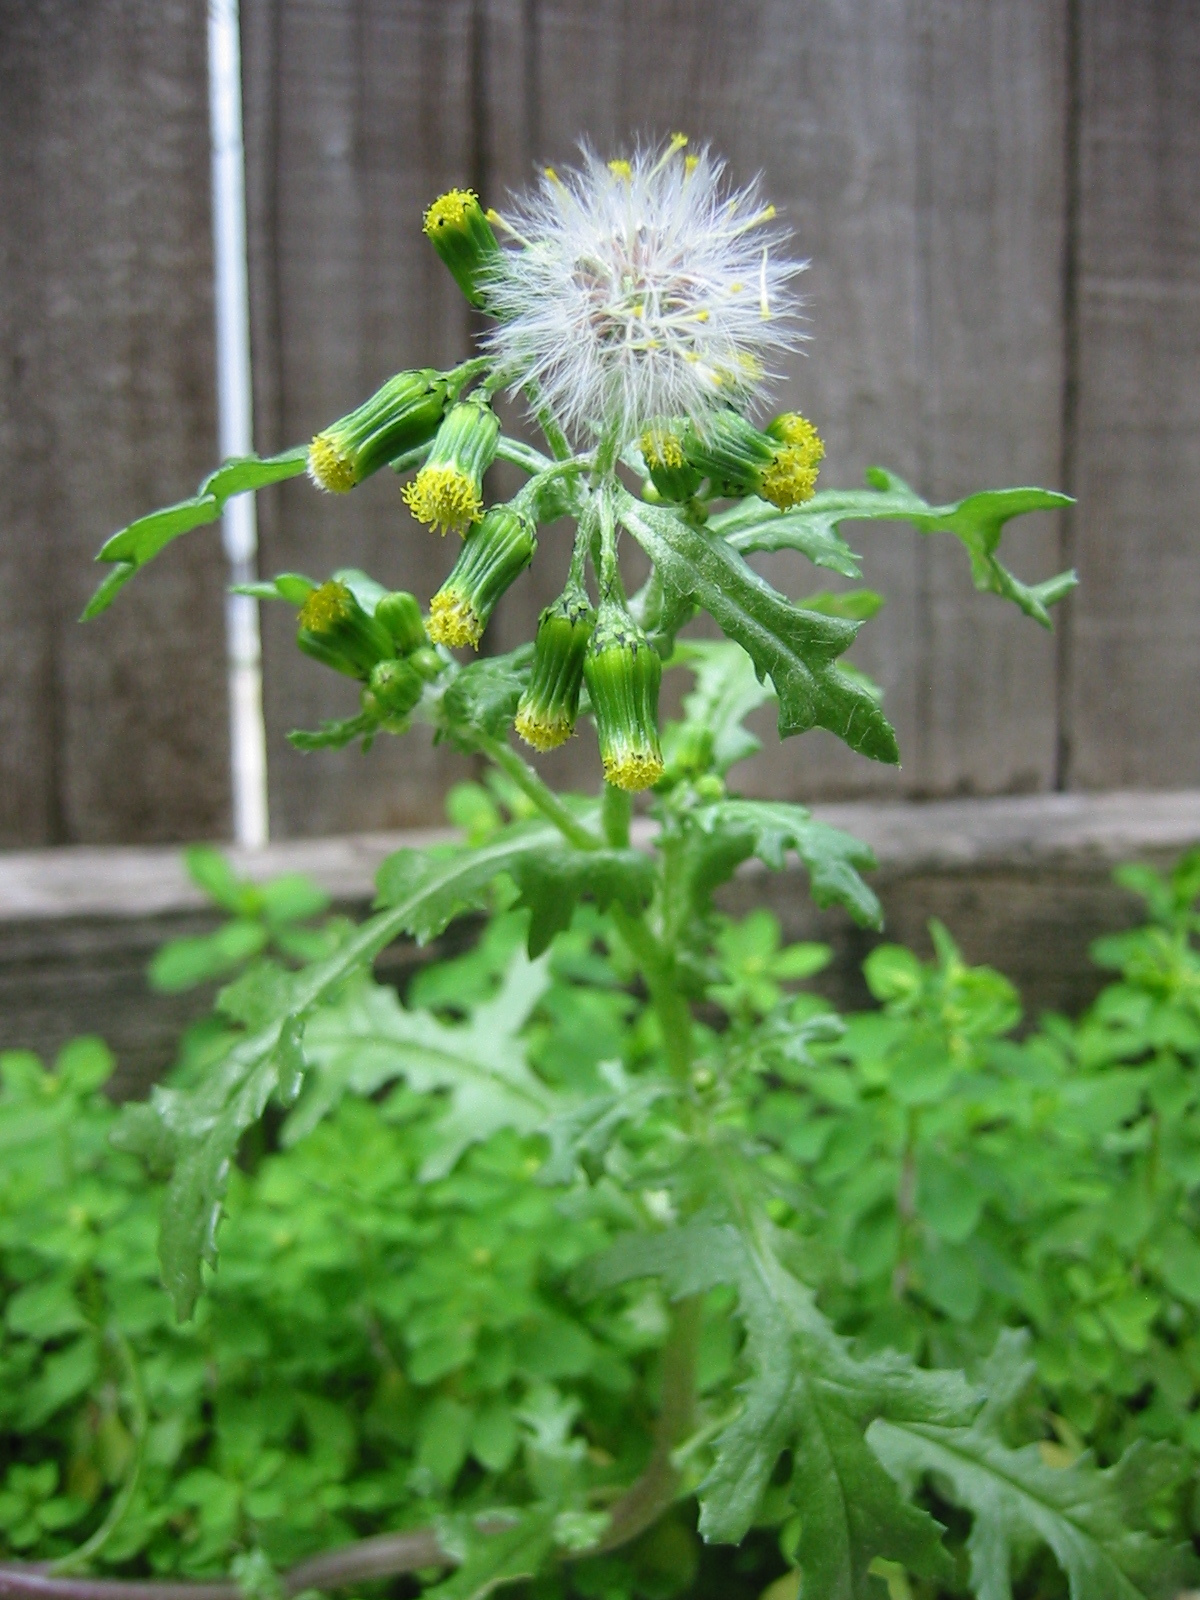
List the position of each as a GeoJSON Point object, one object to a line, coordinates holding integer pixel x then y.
{"type": "Point", "coordinates": [397, 1338]}
{"type": "Point", "coordinates": [606, 1261]}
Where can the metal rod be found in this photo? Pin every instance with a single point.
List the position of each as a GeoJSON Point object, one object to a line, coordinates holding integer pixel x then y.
{"type": "Point", "coordinates": [247, 732]}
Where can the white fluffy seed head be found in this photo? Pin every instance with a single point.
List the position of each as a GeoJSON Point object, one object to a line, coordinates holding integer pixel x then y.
{"type": "Point", "coordinates": [642, 288]}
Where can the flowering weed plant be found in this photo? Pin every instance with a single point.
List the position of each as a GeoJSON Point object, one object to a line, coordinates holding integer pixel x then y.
{"type": "Point", "coordinates": [639, 306]}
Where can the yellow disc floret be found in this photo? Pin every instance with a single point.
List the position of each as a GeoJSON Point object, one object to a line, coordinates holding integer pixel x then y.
{"type": "Point", "coordinates": [633, 770]}
{"type": "Point", "coordinates": [792, 477]}
{"type": "Point", "coordinates": [661, 448]}
{"type": "Point", "coordinates": [452, 210]}
{"type": "Point", "coordinates": [327, 606]}
{"type": "Point", "coordinates": [329, 468]}
{"type": "Point", "coordinates": [453, 622]}
{"type": "Point", "coordinates": [791, 428]}
{"type": "Point", "coordinates": [788, 481]}
{"type": "Point", "coordinates": [444, 498]}
{"type": "Point", "coordinates": [543, 732]}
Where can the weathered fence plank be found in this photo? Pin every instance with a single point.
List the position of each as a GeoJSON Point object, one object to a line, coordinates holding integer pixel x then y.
{"type": "Point", "coordinates": [1133, 714]}
{"type": "Point", "coordinates": [116, 731]}
{"type": "Point", "coordinates": [357, 115]}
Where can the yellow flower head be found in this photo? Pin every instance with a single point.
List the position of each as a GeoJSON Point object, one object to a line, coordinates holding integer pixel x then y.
{"type": "Point", "coordinates": [329, 467]}
{"type": "Point", "coordinates": [543, 731]}
{"type": "Point", "coordinates": [453, 622]}
{"type": "Point", "coordinates": [444, 498]}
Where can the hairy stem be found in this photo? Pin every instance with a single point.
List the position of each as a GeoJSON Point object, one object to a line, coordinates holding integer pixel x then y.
{"type": "Point", "coordinates": [616, 813]}
{"type": "Point", "coordinates": [658, 1486]}
{"type": "Point", "coordinates": [533, 788]}
{"type": "Point", "coordinates": [657, 964]}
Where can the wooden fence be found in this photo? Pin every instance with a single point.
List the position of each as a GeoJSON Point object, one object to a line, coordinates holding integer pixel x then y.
{"type": "Point", "coordinates": [1001, 200]}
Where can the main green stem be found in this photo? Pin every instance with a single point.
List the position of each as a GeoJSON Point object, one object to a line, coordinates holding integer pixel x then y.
{"type": "Point", "coordinates": [532, 787]}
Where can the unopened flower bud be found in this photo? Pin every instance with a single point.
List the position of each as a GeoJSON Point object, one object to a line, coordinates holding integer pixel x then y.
{"type": "Point", "coordinates": [548, 709]}
{"type": "Point", "coordinates": [671, 473]}
{"type": "Point", "coordinates": [403, 414]}
{"type": "Point", "coordinates": [495, 551]}
{"type": "Point", "coordinates": [780, 465]}
{"type": "Point", "coordinates": [689, 750]}
{"type": "Point", "coordinates": [395, 687]}
{"type": "Point", "coordinates": [334, 629]}
{"type": "Point", "coordinates": [458, 230]}
{"type": "Point", "coordinates": [448, 491]}
{"type": "Point", "coordinates": [427, 662]}
{"type": "Point", "coordinates": [623, 673]}
{"type": "Point", "coordinates": [401, 616]}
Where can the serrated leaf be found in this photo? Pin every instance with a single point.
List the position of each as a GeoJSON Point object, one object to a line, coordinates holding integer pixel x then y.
{"type": "Point", "coordinates": [811, 529]}
{"type": "Point", "coordinates": [808, 1394]}
{"type": "Point", "coordinates": [978, 522]}
{"type": "Point", "coordinates": [483, 697]}
{"type": "Point", "coordinates": [796, 649]}
{"type": "Point", "coordinates": [1086, 1516]}
{"type": "Point", "coordinates": [727, 690]}
{"type": "Point", "coordinates": [588, 1129]}
{"type": "Point", "coordinates": [769, 829]}
{"type": "Point", "coordinates": [447, 880]}
{"type": "Point", "coordinates": [207, 1122]}
{"type": "Point", "coordinates": [554, 880]}
{"type": "Point", "coordinates": [133, 546]}
{"type": "Point", "coordinates": [369, 1039]}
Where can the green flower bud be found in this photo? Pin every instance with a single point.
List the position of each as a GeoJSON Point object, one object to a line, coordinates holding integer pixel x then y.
{"type": "Point", "coordinates": [448, 491]}
{"type": "Point", "coordinates": [688, 747]}
{"type": "Point", "coordinates": [494, 552]}
{"type": "Point", "coordinates": [395, 687]}
{"type": "Point", "coordinates": [403, 414]}
{"type": "Point", "coordinates": [335, 629]}
{"type": "Point", "coordinates": [548, 709]}
{"type": "Point", "coordinates": [671, 473]}
{"type": "Point", "coordinates": [623, 672]}
{"type": "Point", "coordinates": [458, 230]}
{"type": "Point", "coordinates": [401, 616]}
{"type": "Point", "coordinates": [427, 662]}
{"type": "Point", "coordinates": [780, 465]}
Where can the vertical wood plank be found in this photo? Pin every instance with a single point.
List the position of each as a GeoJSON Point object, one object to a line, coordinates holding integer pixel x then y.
{"type": "Point", "coordinates": [116, 731]}
{"type": "Point", "coordinates": [989, 97]}
{"type": "Point", "coordinates": [1133, 712]}
{"type": "Point", "coordinates": [358, 114]}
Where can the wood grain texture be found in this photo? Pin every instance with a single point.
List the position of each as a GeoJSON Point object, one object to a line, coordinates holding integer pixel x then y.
{"type": "Point", "coordinates": [1133, 714]}
{"type": "Point", "coordinates": [116, 730]}
{"type": "Point", "coordinates": [357, 115]}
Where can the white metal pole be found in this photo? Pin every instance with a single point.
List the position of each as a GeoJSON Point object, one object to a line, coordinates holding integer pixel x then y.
{"type": "Point", "coordinates": [235, 424]}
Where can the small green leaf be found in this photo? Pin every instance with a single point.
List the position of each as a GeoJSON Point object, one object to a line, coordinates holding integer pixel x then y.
{"type": "Point", "coordinates": [184, 963]}
{"type": "Point", "coordinates": [335, 735]}
{"type": "Point", "coordinates": [142, 540]}
{"type": "Point", "coordinates": [291, 587]}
